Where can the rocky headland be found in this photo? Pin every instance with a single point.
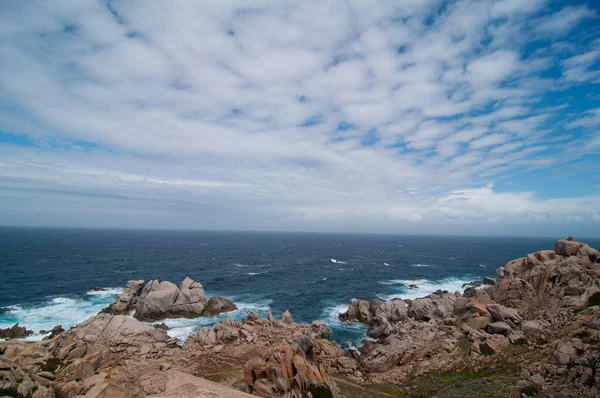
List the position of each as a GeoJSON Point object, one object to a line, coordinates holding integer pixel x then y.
{"type": "Point", "coordinates": [534, 330]}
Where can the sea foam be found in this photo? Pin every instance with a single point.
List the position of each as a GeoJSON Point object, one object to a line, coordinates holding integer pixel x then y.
{"type": "Point", "coordinates": [65, 311]}
{"type": "Point", "coordinates": [425, 287]}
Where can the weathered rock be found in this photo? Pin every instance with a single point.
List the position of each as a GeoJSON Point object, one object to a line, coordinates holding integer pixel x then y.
{"type": "Point", "coordinates": [501, 313]}
{"type": "Point", "coordinates": [128, 298]}
{"type": "Point", "coordinates": [15, 332]}
{"type": "Point", "coordinates": [289, 371]}
{"type": "Point", "coordinates": [160, 300]}
{"type": "Point", "coordinates": [286, 317]}
{"type": "Point", "coordinates": [567, 248]}
{"type": "Point", "coordinates": [530, 328]}
{"type": "Point", "coordinates": [217, 305]}
{"type": "Point", "coordinates": [56, 331]}
{"type": "Point", "coordinates": [119, 331]}
{"type": "Point", "coordinates": [498, 328]}
{"type": "Point", "coordinates": [434, 306]}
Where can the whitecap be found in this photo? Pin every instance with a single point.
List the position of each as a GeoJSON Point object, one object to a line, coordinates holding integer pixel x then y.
{"type": "Point", "coordinates": [256, 273]}
{"type": "Point", "coordinates": [330, 316]}
{"type": "Point", "coordinates": [420, 265]}
{"type": "Point", "coordinates": [65, 311]}
{"type": "Point", "coordinates": [483, 265]}
{"type": "Point", "coordinates": [110, 291]}
{"type": "Point", "coordinates": [386, 264]}
{"type": "Point", "coordinates": [183, 327]}
{"type": "Point", "coordinates": [425, 287]}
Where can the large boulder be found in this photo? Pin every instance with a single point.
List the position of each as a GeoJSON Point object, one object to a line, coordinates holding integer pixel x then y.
{"type": "Point", "coordinates": [160, 300]}
{"type": "Point", "coordinates": [435, 306]}
{"type": "Point", "coordinates": [566, 247]}
{"type": "Point", "coordinates": [217, 305]}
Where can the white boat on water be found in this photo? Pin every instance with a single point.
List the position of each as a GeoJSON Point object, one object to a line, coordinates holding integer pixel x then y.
{"type": "Point", "coordinates": [333, 260]}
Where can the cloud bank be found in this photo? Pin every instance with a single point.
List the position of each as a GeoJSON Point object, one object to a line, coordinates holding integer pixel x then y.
{"type": "Point", "coordinates": [416, 116]}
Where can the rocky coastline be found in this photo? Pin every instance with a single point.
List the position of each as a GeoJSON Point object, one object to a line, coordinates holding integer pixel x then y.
{"type": "Point", "coordinates": [533, 330]}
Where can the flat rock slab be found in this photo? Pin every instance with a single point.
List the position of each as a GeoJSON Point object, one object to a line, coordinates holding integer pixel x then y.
{"type": "Point", "coordinates": [183, 385]}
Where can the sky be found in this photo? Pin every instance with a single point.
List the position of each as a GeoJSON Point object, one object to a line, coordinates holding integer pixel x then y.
{"type": "Point", "coordinates": [413, 116]}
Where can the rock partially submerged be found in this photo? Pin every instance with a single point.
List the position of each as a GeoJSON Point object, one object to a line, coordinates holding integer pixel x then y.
{"type": "Point", "coordinates": [218, 305]}
{"type": "Point", "coordinates": [15, 332]}
{"type": "Point", "coordinates": [157, 300]}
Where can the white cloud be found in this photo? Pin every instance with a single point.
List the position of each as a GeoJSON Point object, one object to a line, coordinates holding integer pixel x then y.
{"type": "Point", "coordinates": [235, 106]}
{"type": "Point", "coordinates": [563, 21]}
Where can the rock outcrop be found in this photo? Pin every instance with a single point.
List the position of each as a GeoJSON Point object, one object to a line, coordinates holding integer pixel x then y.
{"type": "Point", "coordinates": [120, 331]}
{"type": "Point", "coordinates": [15, 332]}
{"type": "Point", "coordinates": [289, 371]}
{"type": "Point", "coordinates": [160, 300]}
{"type": "Point", "coordinates": [532, 299]}
{"type": "Point", "coordinates": [157, 300]}
{"type": "Point", "coordinates": [217, 305]}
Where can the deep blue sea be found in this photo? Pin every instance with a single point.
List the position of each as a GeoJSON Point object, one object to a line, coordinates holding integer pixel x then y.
{"type": "Point", "coordinates": [48, 274]}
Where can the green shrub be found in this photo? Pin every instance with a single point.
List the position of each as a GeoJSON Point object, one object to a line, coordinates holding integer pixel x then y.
{"type": "Point", "coordinates": [486, 349]}
{"type": "Point", "coordinates": [320, 392]}
{"type": "Point", "coordinates": [51, 365]}
{"type": "Point", "coordinates": [530, 391]}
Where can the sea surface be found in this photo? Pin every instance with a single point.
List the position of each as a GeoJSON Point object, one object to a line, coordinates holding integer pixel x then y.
{"type": "Point", "coordinates": [48, 275]}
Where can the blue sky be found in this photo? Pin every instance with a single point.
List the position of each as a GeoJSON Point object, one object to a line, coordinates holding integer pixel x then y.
{"type": "Point", "coordinates": [425, 116]}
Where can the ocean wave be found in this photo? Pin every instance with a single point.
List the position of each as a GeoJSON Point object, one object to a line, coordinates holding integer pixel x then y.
{"type": "Point", "coordinates": [421, 265]}
{"type": "Point", "coordinates": [65, 311]}
{"type": "Point", "coordinates": [183, 327]}
{"type": "Point", "coordinates": [256, 273]}
{"type": "Point", "coordinates": [350, 333]}
{"type": "Point", "coordinates": [426, 287]}
{"type": "Point", "coordinates": [109, 291]}
{"type": "Point", "coordinates": [239, 265]}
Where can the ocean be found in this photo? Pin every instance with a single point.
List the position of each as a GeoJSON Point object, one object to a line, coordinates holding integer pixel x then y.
{"type": "Point", "coordinates": [48, 275]}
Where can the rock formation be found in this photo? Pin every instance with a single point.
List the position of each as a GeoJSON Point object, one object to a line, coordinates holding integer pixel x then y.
{"type": "Point", "coordinates": [289, 371]}
{"type": "Point", "coordinates": [532, 299]}
{"type": "Point", "coordinates": [157, 300]}
{"type": "Point", "coordinates": [217, 305]}
{"type": "Point", "coordinates": [15, 332]}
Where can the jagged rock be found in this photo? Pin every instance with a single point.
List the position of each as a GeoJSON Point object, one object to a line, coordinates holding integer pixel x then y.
{"type": "Point", "coordinates": [15, 332]}
{"type": "Point", "coordinates": [286, 317]}
{"type": "Point", "coordinates": [289, 371]}
{"type": "Point", "coordinates": [56, 331]}
{"type": "Point", "coordinates": [217, 305]}
{"type": "Point", "coordinates": [253, 317]}
{"type": "Point", "coordinates": [127, 300]}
